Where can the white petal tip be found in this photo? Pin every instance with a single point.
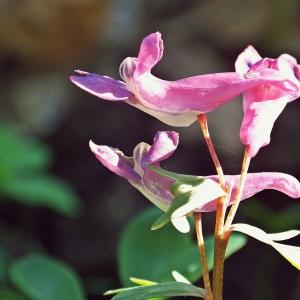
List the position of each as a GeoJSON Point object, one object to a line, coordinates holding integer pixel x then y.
{"type": "Point", "coordinates": [181, 224]}
{"type": "Point", "coordinates": [93, 146]}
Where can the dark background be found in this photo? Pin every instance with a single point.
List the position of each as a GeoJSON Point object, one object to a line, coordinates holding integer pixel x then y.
{"type": "Point", "coordinates": [41, 42]}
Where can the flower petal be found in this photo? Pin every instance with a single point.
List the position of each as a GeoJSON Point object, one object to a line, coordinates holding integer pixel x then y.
{"type": "Point", "coordinates": [264, 103]}
{"type": "Point", "coordinates": [282, 236]}
{"type": "Point", "coordinates": [198, 94]}
{"type": "Point", "coordinates": [258, 121]}
{"type": "Point", "coordinates": [158, 189]}
{"type": "Point", "coordinates": [164, 144]}
{"type": "Point", "coordinates": [102, 86]}
{"type": "Point", "coordinates": [115, 161]}
{"type": "Point", "coordinates": [288, 66]}
{"type": "Point", "coordinates": [291, 253]}
{"type": "Point", "coordinates": [181, 224]}
{"type": "Point", "coordinates": [257, 182]}
{"type": "Point", "coordinates": [246, 60]}
{"type": "Point", "coordinates": [151, 52]}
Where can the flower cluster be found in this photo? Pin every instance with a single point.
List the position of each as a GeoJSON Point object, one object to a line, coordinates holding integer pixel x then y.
{"type": "Point", "coordinates": [266, 84]}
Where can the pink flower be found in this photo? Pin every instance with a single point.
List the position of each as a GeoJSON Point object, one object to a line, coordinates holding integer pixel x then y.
{"type": "Point", "coordinates": [264, 103]}
{"type": "Point", "coordinates": [157, 188]}
{"type": "Point", "coordinates": [175, 103]}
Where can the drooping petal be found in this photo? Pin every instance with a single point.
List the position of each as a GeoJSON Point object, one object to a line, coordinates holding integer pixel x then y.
{"type": "Point", "coordinates": [246, 60]}
{"type": "Point", "coordinates": [257, 182]}
{"type": "Point", "coordinates": [264, 103]}
{"type": "Point", "coordinates": [288, 66]}
{"type": "Point", "coordinates": [102, 86]}
{"type": "Point", "coordinates": [291, 253]}
{"type": "Point", "coordinates": [258, 121]}
{"type": "Point", "coordinates": [115, 161]}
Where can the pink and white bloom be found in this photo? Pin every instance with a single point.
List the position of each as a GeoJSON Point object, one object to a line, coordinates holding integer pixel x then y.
{"type": "Point", "coordinates": [264, 103]}
{"type": "Point", "coordinates": [175, 103]}
{"type": "Point", "coordinates": [156, 187]}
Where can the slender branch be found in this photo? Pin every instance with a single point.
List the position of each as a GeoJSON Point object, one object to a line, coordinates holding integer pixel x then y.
{"type": "Point", "coordinates": [201, 247]}
{"type": "Point", "coordinates": [239, 193]}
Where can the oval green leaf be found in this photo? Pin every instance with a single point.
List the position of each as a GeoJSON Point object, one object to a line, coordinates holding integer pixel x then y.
{"type": "Point", "coordinates": [43, 278]}
{"type": "Point", "coordinates": [144, 253]}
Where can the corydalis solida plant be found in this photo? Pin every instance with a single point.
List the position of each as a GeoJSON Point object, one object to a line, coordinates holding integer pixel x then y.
{"type": "Point", "coordinates": [267, 86]}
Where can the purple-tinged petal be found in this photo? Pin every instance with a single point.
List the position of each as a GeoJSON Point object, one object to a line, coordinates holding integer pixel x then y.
{"type": "Point", "coordinates": [164, 144]}
{"type": "Point", "coordinates": [246, 60]}
{"type": "Point", "coordinates": [151, 52]}
{"type": "Point", "coordinates": [258, 121]}
{"type": "Point", "coordinates": [257, 182]}
{"type": "Point", "coordinates": [102, 86]}
{"type": "Point", "coordinates": [115, 161]}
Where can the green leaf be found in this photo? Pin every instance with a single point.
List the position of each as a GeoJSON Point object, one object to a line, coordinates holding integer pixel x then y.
{"type": "Point", "coordinates": [155, 254]}
{"type": "Point", "coordinates": [19, 154]}
{"type": "Point", "coordinates": [166, 217]}
{"type": "Point", "coordinates": [8, 294]}
{"type": "Point", "coordinates": [167, 289]}
{"type": "Point", "coordinates": [44, 191]}
{"type": "Point", "coordinates": [43, 278]}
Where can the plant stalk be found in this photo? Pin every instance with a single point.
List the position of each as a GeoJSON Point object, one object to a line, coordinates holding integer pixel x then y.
{"type": "Point", "coordinates": [202, 119]}
{"type": "Point", "coordinates": [239, 193]}
{"type": "Point", "coordinates": [201, 247]}
{"type": "Point", "coordinates": [220, 242]}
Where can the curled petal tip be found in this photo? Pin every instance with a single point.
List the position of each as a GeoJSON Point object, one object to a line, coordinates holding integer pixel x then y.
{"type": "Point", "coordinates": [295, 193]}
{"type": "Point", "coordinates": [151, 51]}
{"type": "Point", "coordinates": [93, 146]}
{"type": "Point", "coordinates": [102, 86]}
{"type": "Point", "coordinates": [164, 144]}
{"type": "Point", "coordinates": [81, 72]}
{"type": "Point", "coordinates": [246, 60]}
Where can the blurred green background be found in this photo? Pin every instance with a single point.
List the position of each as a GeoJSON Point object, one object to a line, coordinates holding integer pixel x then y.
{"type": "Point", "coordinates": [60, 210]}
